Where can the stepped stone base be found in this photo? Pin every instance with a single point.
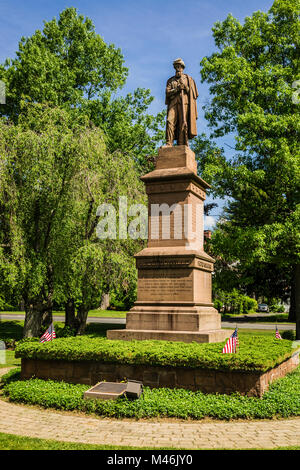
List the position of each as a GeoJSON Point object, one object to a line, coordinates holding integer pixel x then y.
{"type": "Point", "coordinates": [202, 336]}
{"type": "Point", "coordinates": [175, 318]}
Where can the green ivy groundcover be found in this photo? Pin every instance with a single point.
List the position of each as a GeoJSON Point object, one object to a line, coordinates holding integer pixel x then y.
{"type": "Point", "coordinates": [255, 353]}
{"type": "Point", "coordinates": [282, 400]}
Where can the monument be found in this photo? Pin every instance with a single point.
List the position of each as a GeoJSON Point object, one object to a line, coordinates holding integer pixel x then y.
{"type": "Point", "coordinates": [174, 291]}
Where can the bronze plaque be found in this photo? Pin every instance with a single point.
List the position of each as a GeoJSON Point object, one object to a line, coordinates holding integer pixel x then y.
{"type": "Point", "coordinates": [109, 387]}
{"type": "Point", "coordinates": [106, 391]}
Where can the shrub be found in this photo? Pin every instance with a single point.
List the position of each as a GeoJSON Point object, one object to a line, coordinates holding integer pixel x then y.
{"type": "Point", "coordinates": [275, 306]}
{"type": "Point", "coordinates": [249, 304]}
{"type": "Point", "coordinates": [64, 332]}
{"type": "Point", "coordinates": [234, 302]}
{"type": "Point", "coordinates": [255, 352]}
{"type": "Point", "coordinates": [289, 334]}
{"type": "Point", "coordinates": [218, 304]}
{"type": "Point", "coordinates": [11, 376]}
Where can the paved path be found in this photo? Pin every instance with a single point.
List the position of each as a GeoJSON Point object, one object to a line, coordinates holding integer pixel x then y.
{"type": "Point", "coordinates": [122, 321]}
{"type": "Point", "coordinates": [64, 426]}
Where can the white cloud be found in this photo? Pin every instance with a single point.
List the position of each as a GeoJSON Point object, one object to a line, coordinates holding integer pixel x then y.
{"type": "Point", "coordinates": [209, 222]}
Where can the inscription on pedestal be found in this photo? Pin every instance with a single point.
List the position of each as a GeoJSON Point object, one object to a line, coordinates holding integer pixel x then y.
{"type": "Point", "coordinates": [158, 262]}
{"type": "Point", "coordinates": [203, 265]}
{"type": "Point", "coordinates": [165, 285]}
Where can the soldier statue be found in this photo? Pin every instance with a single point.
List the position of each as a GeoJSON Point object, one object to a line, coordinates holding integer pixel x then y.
{"type": "Point", "coordinates": [181, 96]}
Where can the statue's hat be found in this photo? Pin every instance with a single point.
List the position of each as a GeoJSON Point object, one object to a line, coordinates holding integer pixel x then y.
{"type": "Point", "coordinates": [179, 61]}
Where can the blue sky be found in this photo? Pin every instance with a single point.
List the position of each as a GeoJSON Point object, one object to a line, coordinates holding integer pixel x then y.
{"type": "Point", "coordinates": [150, 33]}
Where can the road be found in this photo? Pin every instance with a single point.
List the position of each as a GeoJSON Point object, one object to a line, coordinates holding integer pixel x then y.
{"type": "Point", "coordinates": [122, 321]}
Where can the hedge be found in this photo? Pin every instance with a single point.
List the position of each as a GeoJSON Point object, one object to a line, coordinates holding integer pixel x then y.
{"type": "Point", "coordinates": [255, 353]}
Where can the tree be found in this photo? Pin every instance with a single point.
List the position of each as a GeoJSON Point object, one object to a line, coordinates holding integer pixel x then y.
{"type": "Point", "coordinates": [55, 172]}
{"type": "Point", "coordinates": [91, 265]}
{"type": "Point", "coordinates": [251, 77]}
{"type": "Point", "coordinates": [68, 65]}
{"type": "Point", "coordinates": [67, 73]}
{"type": "Point", "coordinates": [127, 125]}
{"type": "Point", "coordinates": [64, 65]}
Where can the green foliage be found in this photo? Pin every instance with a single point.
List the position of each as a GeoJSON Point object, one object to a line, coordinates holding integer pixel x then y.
{"type": "Point", "coordinates": [11, 331]}
{"type": "Point", "coordinates": [127, 126]}
{"type": "Point", "coordinates": [255, 353]}
{"type": "Point", "coordinates": [68, 65]}
{"type": "Point", "coordinates": [7, 307]}
{"type": "Point", "coordinates": [250, 305]}
{"type": "Point", "coordinates": [74, 146]}
{"type": "Point", "coordinates": [64, 331]}
{"type": "Point", "coordinates": [57, 173]}
{"type": "Point", "coordinates": [281, 401]}
{"type": "Point", "coordinates": [57, 168]}
{"type": "Point", "coordinates": [251, 76]}
{"type": "Point", "coordinates": [218, 304]}
{"type": "Point", "coordinates": [65, 64]}
{"type": "Point", "coordinates": [289, 334]}
{"type": "Point", "coordinates": [234, 302]}
{"type": "Point", "coordinates": [12, 375]}
{"type": "Point", "coordinates": [274, 306]}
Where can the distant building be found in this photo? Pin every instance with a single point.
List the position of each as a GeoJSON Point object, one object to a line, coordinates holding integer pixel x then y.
{"type": "Point", "coordinates": [207, 235]}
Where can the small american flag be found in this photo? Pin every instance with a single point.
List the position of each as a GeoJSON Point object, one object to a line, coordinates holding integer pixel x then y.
{"type": "Point", "coordinates": [232, 343]}
{"type": "Point", "coordinates": [49, 335]}
{"type": "Point", "coordinates": [277, 334]}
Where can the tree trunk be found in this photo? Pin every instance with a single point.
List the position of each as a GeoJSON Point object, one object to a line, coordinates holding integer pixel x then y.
{"type": "Point", "coordinates": [70, 320]}
{"type": "Point", "coordinates": [33, 321]}
{"type": "Point", "coordinates": [104, 302]}
{"type": "Point", "coordinates": [76, 322]}
{"type": "Point", "coordinates": [47, 318]}
{"type": "Point", "coordinates": [38, 313]}
{"type": "Point", "coordinates": [82, 318]}
{"type": "Point", "coordinates": [297, 300]}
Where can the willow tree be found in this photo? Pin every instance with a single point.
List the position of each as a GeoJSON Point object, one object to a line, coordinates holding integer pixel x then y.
{"type": "Point", "coordinates": [55, 171]}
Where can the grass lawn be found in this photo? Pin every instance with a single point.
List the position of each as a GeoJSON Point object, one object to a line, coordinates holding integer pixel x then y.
{"type": "Point", "coordinates": [92, 313]}
{"type": "Point", "coordinates": [271, 318]}
{"type": "Point", "coordinates": [107, 313]}
{"type": "Point", "coordinates": [7, 359]}
{"type": "Point", "coordinates": [13, 329]}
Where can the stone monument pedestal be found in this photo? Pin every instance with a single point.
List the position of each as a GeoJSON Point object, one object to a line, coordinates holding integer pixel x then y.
{"type": "Point", "coordinates": [174, 273]}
